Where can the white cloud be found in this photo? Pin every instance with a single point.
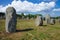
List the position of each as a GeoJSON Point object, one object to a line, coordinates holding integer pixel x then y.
{"type": "Point", "coordinates": [28, 6]}
{"type": "Point", "coordinates": [50, 0]}
{"type": "Point", "coordinates": [58, 9]}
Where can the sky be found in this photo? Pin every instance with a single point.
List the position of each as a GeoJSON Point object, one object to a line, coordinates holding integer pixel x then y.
{"type": "Point", "coordinates": [43, 7]}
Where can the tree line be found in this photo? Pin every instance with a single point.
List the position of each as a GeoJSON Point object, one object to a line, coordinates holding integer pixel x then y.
{"type": "Point", "coordinates": [25, 16]}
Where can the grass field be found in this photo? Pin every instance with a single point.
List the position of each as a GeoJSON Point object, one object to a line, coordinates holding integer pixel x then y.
{"type": "Point", "coordinates": [26, 30]}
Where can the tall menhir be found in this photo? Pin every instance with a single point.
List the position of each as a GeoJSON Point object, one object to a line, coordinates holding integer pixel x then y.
{"type": "Point", "coordinates": [48, 18]}
{"type": "Point", "coordinates": [11, 20]}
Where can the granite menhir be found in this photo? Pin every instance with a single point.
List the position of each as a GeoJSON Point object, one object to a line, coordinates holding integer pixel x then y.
{"type": "Point", "coordinates": [11, 20]}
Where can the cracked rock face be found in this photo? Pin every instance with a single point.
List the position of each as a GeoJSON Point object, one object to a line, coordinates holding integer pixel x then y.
{"type": "Point", "coordinates": [11, 19]}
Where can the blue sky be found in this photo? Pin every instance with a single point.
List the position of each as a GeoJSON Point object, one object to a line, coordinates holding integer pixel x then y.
{"type": "Point", "coordinates": [33, 6]}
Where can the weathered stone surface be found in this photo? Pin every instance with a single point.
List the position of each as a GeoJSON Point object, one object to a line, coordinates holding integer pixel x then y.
{"type": "Point", "coordinates": [11, 20]}
{"type": "Point", "coordinates": [1, 17]}
{"type": "Point", "coordinates": [27, 18]}
{"type": "Point", "coordinates": [23, 17]}
{"type": "Point", "coordinates": [32, 18]}
{"type": "Point", "coordinates": [52, 21]}
{"type": "Point", "coordinates": [39, 21]}
{"type": "Point", "coordinates": [59, 20]}
{"type": "Point", "coordinates": [47, 18]}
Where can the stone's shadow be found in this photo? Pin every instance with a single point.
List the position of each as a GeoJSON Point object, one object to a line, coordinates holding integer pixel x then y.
{"type": "Point", "coordinates": [24, 30]}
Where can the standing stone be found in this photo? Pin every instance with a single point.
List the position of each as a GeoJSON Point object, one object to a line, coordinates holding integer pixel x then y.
{"type": "Point", "coordinates": [27, 18]}
{"type": "Point", "coordinates": [52, 21]}
{"type": "Point", "coordinates": [1, 17]}
{"type": "Point", "coordinates": [59, 20]}
{"type": "Point", "coordinates": [10, 20]}
{"type": "Point", "coordinates": [47, 18]}
{"type": "Point", "coordinates": [39, 21]}
{"type": "Point", "coordinates": [22, 17]}
{"type": "Point", "coordinates": [32, 18]}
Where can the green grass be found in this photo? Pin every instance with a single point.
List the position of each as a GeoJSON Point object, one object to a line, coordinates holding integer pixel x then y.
{"type": "Point", "coordinates": [49, 32]}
